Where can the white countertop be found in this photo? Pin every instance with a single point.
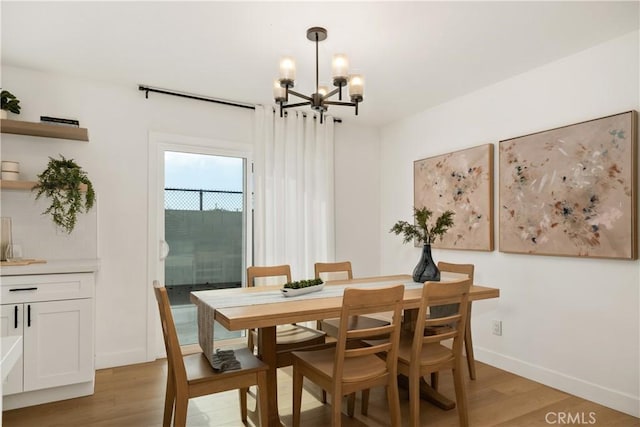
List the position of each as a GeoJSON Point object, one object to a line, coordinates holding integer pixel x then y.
{"type": "Point", "coordinates": [53, 267]}
{"type": "Point", "coordinates": [11, 352]}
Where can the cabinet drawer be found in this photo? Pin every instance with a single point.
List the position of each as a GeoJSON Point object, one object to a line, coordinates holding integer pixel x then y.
{"type": "Point", "coordinates": [50, 287]}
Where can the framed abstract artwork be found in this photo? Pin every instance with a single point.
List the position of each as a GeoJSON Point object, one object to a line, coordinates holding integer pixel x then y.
{"type": "Point", "coordinates": [571, 191]}
{"type": "Point", "coordinates": [461, 181]}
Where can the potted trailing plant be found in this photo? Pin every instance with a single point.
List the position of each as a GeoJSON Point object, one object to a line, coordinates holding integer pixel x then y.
{"type": "Point", "coordinates": [426, 234]}
{"type": "Point", "coordinates": [8, 102]}
{"type": "Point", "coordinates": [62, 183]}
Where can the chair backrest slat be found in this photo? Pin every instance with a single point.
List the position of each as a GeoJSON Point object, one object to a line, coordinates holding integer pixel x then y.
{"type": "Point", "coordinates": [277, 271]}
{"type": "Point", "coordinates": [439, 321]}
{"type": "Point", "coordinates": [333, 267]}
{"type": "Point", "coordinates": [467, 269]}
{"type": "Point", "coordinates": [368, 332]}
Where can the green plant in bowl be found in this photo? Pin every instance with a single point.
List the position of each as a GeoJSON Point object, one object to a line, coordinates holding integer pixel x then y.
{"type": "Point", "coordinates": [303, 284]}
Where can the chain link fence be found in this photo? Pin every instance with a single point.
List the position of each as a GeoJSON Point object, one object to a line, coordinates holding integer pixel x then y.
{"type": "Point", "coordinates": [182, 199]}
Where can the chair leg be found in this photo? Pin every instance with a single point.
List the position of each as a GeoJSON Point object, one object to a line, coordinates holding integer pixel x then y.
{"type": "Point", "coordinates": [297, 395]}
{"type": "Point", "coordinates": [336, 410]}
{"type": "Point", "coordinates": [180, 416]}
{"type": "Point", "coordinates": [169, 400]}
{"type": "Point", "coordinates": [461, 395]}
{"type": "Point", "coordinates": [365, 402]}
{"type": "Point", "coordinates": [468, 346]}
{"type": "Point", "coordinates": [243, 404]}
{"type": "Point", "coordinates": [393, 397]}
{"type": "Point", "coordinates": [263, 398]}
{"type": "Point", "coordinates": [414, 400]}
{"type": "Point", "coordinates": [324, 396]}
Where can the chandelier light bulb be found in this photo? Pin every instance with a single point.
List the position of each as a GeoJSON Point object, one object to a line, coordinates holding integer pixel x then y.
{"type": "Point", "coordinates": [356, 87]}
{"type": "Point", "coordinates": [340, 66]}
{"type": "Point", "coordinates": [279, 93]}
{"type": "Point", "coordinates": [323, 90]}
{"type": "Point", "coordinates": [287, 69]}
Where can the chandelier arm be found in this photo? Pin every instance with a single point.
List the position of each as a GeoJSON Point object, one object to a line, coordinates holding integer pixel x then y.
{"type": "Point", "coordinates": [299, 95]}
{"type": "Point", "coordinates": [347, 104]}
{"type": "Point", "coordinates": [330, 94]}
{"type": "Point", "coordinates": [299, 104]}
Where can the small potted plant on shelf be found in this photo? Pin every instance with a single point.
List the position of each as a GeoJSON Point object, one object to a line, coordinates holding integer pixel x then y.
{"type": "Point", "coordinates": [8, 102]}
{"type": "Point", "coordinates": [425, 234]}
{"type": "Point", "coordinates": [62, 183]}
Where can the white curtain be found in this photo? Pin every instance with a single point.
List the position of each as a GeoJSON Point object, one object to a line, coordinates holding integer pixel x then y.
{"type": "Point", "coordinates": [293, 191]}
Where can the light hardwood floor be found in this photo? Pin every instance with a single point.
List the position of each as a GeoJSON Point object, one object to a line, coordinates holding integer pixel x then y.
{"type": "Point", "coordinates": [134, 395]}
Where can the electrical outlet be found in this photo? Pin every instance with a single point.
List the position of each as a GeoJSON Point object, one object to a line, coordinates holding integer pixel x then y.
{"type": "Point", "coordinates": [497, 327]}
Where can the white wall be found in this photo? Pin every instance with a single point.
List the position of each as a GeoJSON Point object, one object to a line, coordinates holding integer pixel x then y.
{"type": "Point", "coordinates": [567, 322]}
{"type": "Point", "coordinates": [119, 120]}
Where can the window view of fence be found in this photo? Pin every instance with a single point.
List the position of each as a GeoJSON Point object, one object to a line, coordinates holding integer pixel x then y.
{"type": "Point", "coordinates": [203, 229]}
{"type": "Point", "coordinates": [202, 200]}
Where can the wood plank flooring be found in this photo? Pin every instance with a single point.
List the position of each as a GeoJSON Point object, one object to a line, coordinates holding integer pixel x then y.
{"type": "Point", "coordinates": [134, 396]}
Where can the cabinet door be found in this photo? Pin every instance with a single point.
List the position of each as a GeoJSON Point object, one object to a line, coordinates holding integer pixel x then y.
{"type": "Point", "coordinates": [58, 343]}
{"type": "Point", "coordinates": [11, 322]}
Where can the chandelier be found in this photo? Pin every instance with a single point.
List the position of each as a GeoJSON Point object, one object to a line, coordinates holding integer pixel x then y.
{"type": "Point", "coordinates": [320, 99]}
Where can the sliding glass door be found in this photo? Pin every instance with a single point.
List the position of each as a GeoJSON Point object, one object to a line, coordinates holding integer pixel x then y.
{"type": "Point", "coordinates": [202, 224]}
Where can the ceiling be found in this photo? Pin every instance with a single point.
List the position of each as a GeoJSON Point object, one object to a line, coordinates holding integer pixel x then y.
{"type": "Point", "coordinates": [414, 55]}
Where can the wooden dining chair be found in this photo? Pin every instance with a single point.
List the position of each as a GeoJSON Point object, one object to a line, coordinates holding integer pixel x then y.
{"type": "Point", "coordinates": [339, 271]}
{"type": "Point", "coordinates": [445, 310]}
{"type": "Point", "coordinates": [193, 376]}
{"type": "Point", "coordinates": [348, 367]}
{"type": "Point", "coordinates": [421, 354]}
{"type": "Point", "coordinates": [288, 337]}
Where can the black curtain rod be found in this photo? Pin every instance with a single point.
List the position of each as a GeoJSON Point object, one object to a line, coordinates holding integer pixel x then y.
{"type": "Point", "coordinates": [148, 89]}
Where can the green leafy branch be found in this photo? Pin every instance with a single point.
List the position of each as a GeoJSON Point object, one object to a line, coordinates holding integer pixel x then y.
{"type": "Point", "coordinates": [421, 231]}
{"type": "Point", "coordinates": [9, 102]}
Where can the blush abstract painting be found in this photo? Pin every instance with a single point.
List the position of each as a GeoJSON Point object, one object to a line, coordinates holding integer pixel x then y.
{"type": "Point", "coordinates": [461, 181]}
{"type": "Point", "coordinates": [571, 191]}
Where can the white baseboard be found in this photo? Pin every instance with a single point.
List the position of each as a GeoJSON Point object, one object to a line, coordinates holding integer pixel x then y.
{"type": "Point", "coordinates": [122, 358]}
{"type": "Point", "coordinates": [54, 394]}
{"type": "Point", "coordinates": [610, 398]}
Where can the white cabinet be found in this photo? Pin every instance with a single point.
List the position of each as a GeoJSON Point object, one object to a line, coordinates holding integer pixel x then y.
{"type": "Point", "coordinates": [54, 315]}
{"type": "Point", "coordinates": [11, 325]}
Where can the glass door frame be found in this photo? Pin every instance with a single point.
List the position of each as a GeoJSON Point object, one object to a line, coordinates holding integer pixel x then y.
{"type": "Point", "coordinates": [159, 143]}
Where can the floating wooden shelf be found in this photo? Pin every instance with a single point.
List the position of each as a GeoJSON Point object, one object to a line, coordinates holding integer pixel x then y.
{"type": "Point", "coordinates": [25, 185]}
{"type": "Point", "coordinates": [19, 127]}
{"type": "Point", "coordinates": [17, 185]}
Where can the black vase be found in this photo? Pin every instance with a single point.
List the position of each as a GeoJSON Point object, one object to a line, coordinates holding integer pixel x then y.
{"type": "Point", "coordinates": [426, 270]}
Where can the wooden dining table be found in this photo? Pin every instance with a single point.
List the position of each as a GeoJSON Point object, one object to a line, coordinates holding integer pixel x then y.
{"type": "Point", "coordinates": [264, 307]}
